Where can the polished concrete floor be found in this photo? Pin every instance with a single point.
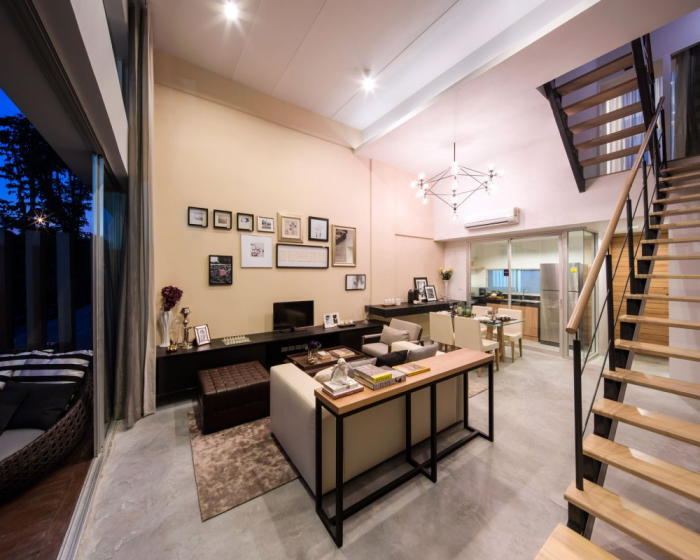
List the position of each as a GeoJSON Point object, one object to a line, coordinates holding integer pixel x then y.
{"type": "Point", "coordinates": [492, 500]}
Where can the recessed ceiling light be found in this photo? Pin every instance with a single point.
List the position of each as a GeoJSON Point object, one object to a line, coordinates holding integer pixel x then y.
{"type": "Point", "coordinates": [230, 11]}
{"type": "Point", "coordinates": [368, 83]}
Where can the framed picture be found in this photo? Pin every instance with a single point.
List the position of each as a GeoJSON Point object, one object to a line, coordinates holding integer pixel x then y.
{"type": "Point", "coordinates": [331, 320]}
{"type": "Point", "coordinates": [289, 228]}
{"type": "Point", "coordinates": [344, 246]}
{"type": "Point", "coordinates": [301, 256]}
{"type": "Point", "coordinates": [244, 222]}
{"type": "Point", "coordinates": [201, 335]}
{"type": "Point", "coordinates": [266, 225]}
{"type": "Point", "coordinates": [318, 229]}
{"type": "Point", "coordinates": [198, 217]}
{"type": "Point", "coordinates": [256, 251]}
{"type": "Point", "coordinates": [419, 285]}
{"type": "Point", "coordinates": [430, 293]}
{"type": "Point", "coordinates": [355, 282]}
{"type": "Point", "coordinates": [220, 270]}
{"type": "Point", "coordinates": [223, 219]}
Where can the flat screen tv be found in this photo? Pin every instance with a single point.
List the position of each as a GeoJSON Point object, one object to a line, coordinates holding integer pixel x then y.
{"type": "Point", "coordinates": [292, 315]}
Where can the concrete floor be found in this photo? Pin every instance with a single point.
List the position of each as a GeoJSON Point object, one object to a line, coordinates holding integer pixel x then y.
{"type": "Point", "coordinates": [492, 500]}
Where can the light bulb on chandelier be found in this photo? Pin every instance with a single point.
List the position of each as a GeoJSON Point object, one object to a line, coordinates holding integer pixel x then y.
{"type": "Point", "coordinates": [425, 200]}
{"type": "Point", "coordinates": [414, 184]}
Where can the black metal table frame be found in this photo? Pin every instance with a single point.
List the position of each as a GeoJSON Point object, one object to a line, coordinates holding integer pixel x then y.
{"type": "Point", "coordinates": [334, 525]}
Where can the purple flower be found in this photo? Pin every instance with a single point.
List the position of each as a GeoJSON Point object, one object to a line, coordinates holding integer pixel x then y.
{"type": "Point", "coordinates": [314, 345]}
{"type": "Point", "coordinates": [171, 295]}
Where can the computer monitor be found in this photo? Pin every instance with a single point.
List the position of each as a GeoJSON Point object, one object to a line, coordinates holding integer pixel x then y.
{"type": "Point", "coordinates": [292, 315]}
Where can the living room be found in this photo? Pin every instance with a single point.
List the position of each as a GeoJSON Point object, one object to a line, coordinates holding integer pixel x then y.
{"type": "Point", "coordinates": [345, 261]}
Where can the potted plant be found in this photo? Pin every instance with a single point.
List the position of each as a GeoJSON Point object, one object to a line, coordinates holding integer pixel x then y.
{"type": "Point", "coordinates": [313, 347]}
{"type": "Point", "coordinates": [446, 275]}
{"type": "Point", "coordinates": [171, 296]}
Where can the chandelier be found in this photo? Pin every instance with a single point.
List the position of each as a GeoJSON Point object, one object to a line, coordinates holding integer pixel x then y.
{"type": "Point", "coordinates": [458, 193]}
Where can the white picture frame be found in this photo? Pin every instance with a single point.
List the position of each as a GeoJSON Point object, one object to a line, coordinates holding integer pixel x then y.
{"type": "Point", "coordinates": [201, 335]}
{"type": "Point", "coordinates": [256, 251]}
{"type": "Point", "coordinates": [289, 228]}
{"type": "Point", "coordinates": [331, 320]}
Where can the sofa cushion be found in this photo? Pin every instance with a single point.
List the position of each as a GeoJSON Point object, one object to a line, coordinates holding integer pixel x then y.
{"type": "Point", "coordinates": [11, 441]}
{"type": "Point", "coordinates": [421, 353]}
{"type": "Point", "coordinates": [11, 397]}
{"type": "Point", "coordinates": [389, 335]}
{"type": "Point", "coordinates": [42, 407]}
{"type": "Point", "coordinates": [375, 349]}
{"type": "Point", "coordinates": [392, 359]}
{"type": "Point", "coordinates": [47, 366]}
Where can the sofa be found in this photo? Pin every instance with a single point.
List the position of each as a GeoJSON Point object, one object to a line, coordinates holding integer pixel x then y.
{"type": "Point", "coordinates": [371, 436]}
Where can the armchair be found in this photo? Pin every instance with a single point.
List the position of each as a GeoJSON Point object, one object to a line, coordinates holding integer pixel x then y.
{"type": "Point", "coordinates": [372, 346]}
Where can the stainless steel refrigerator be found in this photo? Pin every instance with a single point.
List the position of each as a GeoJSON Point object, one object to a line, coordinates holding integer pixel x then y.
{"type": "Point", "coordinates": [551, 301]}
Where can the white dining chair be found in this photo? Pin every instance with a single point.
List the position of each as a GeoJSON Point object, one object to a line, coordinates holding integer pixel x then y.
{"type": "Point", "coordinates": [513, 333]}
{"type": "Point", "coordinates": [468, 335]}
{"type": "Point", "coordinates": [441, 330]}
{"type": "Point", "coordinates": [481, 311]}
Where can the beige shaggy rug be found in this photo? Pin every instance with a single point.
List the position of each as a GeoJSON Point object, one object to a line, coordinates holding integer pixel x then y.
{"type": "Point", "coordinates": [236, 465]}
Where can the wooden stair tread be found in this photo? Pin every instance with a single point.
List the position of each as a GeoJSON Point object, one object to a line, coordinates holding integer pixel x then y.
{"type": "Point", "coordinates": [677, 225]}
{"type": "Point", "coordinates": [606, 118]}
{"type": "Point", "coordinates": [668, 276]}
{"type": "Point", "coordinates": [610, 156]}
{"type": "Point", "coordinates": [597, 74]}
{"type": "Point", "coordinates": [642, 465]}
{"type": "Point", "coordinates": [650, 297]}
{"type": "Point", "coordinates": [687, 186]}
{"type": "Point", "coordinates": [652, 529]}
{"type": "Point", "coordinates": [668, 426]}
{"type": "Point", "coordinates": [677, 211]}
{"type": "Point", "coordinates": [679, 176]}
{"type": "Point", "coordinates": [669, 258]}
{"type": "Point", "coordinates": [565, 544]}
{"type": "Point", "coordinates": [612, 137]}
{"type": "Point", "coordinates": [658, 350]}
{"type": "Point", "coordinates": [665, 384]}
{"type": "Point", "coordinates": [601, 97]}
{"type": "Point", "coordinates": [682, 168]}
{"type": "Point", "coordinates": [666, 240]}
{"type": "Point", "coordinates": [677, 199]}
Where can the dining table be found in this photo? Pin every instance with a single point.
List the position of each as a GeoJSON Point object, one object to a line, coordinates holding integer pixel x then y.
{"type": "Point", "coordinates": [493, 323]}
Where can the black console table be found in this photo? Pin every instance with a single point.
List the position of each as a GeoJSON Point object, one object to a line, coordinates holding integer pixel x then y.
{"type": "Point", "coordinates": [178, 371]}
{"type": "Point", "coordinates": [411, 308]}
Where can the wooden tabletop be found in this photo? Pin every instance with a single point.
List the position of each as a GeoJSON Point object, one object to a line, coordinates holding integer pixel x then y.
{"type": "Point", "coordinates": [440, 367]}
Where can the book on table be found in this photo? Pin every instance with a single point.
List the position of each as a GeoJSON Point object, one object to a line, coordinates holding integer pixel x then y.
{"type": "Point", "coordinates": [396, 377]}
{"type": "Point", "coordinates": [337, 389]}
{"type": "Point", "coordinates": [413, 368]}
{"type": "Point", "coordinates": [342, 353]}
{"type": "Point", "coordinates": [372, 373]}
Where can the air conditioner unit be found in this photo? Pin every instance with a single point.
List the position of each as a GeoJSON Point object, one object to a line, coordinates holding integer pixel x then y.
{"type": "Point", "coordinates": [498, 218]}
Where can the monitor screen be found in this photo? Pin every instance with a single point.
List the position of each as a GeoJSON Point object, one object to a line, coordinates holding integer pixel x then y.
{"type": "Point", "coordinates": [292, 314]}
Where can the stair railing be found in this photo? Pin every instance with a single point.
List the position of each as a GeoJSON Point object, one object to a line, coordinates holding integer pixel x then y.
{"type": "Point", "coordinates": [653, 139]}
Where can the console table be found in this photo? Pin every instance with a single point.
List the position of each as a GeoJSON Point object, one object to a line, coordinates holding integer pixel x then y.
{"type": "Point", "coordinates": [178, 371]}
{"type": "Point", "coordinates": [407, 308]}
{"type": "Point", "coordinates": [442, 368]}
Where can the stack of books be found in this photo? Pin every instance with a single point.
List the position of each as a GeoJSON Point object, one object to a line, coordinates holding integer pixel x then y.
{"type": "Point", "coordinates": [337, 390]}
{"type": "Point", "coordinates": [414, 368]}
{"type": "Point", "coordinates": [377, 377]}
{"type": "Point", "coordinates": [342, 353]}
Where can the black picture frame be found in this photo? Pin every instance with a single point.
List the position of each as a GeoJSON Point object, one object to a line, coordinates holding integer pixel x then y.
{"type": "Point", "coordinates": [216, 214]}
{"type": "Point", "coordinates": [419, 284]}
{"type": "Point", "coordinates": [220, 270]}
{"type": "Point", "coordinates": [361, 285]}
{"type": "Point", "coordinates": [192, 214]}
{"type": "Point", "coordinates": [430, 293]}
{"type": "Point", "coordinates": [249, 217]}
{"type": "Point", "coordinates": [313, 231]}
{"type": "Point", "coordinates": [281, 263]}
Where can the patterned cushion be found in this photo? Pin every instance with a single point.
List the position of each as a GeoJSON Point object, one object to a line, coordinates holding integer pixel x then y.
{"type": "Point", "coordinates": [46, 366]}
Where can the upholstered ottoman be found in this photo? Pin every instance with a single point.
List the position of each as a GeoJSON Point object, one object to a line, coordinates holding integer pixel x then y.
{"type": "Point", "coordinates": [233, 395]}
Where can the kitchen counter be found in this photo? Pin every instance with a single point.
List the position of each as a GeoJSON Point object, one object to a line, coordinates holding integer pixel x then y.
{"type": "Point", "coordinates": [504, 302]}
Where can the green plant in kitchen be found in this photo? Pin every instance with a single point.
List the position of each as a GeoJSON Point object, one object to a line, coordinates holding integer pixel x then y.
{"type": "Point", "coordinates": [446, 273]}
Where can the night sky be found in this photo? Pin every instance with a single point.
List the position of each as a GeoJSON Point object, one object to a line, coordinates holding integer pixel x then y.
{"type": "Point", "coordinates": [6, 108]}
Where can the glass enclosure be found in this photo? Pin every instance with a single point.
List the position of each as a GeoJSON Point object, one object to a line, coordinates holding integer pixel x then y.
{"type": "Point", "coordinates": [489, 269]}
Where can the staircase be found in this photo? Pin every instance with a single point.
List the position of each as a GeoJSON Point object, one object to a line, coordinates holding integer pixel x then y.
{"type": "Point", "coordinates": [668, 195]}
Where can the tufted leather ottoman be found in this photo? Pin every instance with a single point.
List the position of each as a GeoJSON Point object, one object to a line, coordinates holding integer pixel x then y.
{"type": "Point", "coordinates": [232, 395]}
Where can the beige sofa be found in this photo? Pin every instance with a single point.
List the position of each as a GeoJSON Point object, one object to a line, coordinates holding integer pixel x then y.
{"type": "Point", "coordinates": [371, 437]}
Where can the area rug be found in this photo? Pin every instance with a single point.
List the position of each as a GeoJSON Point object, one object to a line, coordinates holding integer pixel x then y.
{"type": "Point", "coordinates": [475, 388]}
{"type": "Point", "coordinates": [236, 465]}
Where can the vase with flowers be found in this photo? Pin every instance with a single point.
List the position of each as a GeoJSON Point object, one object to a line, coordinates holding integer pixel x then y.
{"type": "Point", "coordinates": [313, 347]}
{"type": "Point", "coordinates": [171, 296]}
{"type": "Point", "coordinates": [445, 275]}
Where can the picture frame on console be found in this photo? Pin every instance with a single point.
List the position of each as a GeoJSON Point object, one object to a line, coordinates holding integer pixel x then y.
{"type": "Point", "coordinates": [266, 225]}
{"type": "Point", "coordinates": [201, 335]}
{"type": "Point", "coordinates": [355, 282]}
{"type": "Point", "coordinates": [197, 217]}
{"type": "Point", "coordinates": [344, 246]}
{"type": "Point", "coordinates": [220, 270]}
{"type": "Point", "coordinates": [419, 284]}
{"type": "Point", "coordinates": [318, 229]}
{"type": "Point", "coordinates": [256, 251]}
{"type": "Point", "coordinates": [289, 228]}
{"type": "Point", "coordinates": [331, 320]}
{"type": "Point", "coordinates": [223, 219]}
{"type": "Point", "coordinates": [430, 293]}
{"type": "Point", "coordinates": [244, 222]}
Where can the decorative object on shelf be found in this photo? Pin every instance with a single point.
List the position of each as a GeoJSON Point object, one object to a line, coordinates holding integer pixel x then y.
{"type": "Point", "coordinates": [419, 285]}
{"type": "Point", "coordinates": [313, 347]}
{"type": "Point", "coordinates": [175, 333]}
{"type": "Point", "coordinates": [331, 320]}
{"type": "Point", "coordinates": [458, 195]}
{"type": "Point", "coordinates": [171, 295]}
{"type": "Point", "coordinates": [186, 339]}
{"type": "Point", "coordinates": [346, 324]}
{"type": "Point", "coordinates": [256, 251]}
{"type": "Point", "coordinates": [201, 335]}
{"type": "Point", "coordinates": [266, 225]}
{"type": "Point", "coordinates": [244, 222]}
{"type": "Point", "coordinates": [223, 219]}
{"type": "Point", "coordinates": [289, 228]}
{"type": "Point", "coordinates": [344, 246]}
{"type": "Point", "coordinates": [318, 229]}
{"type": "Point", "coordinates": [198, 217]}
{"type": "Point", "coordinates": [446, 275]}
{"type": "Point", "coordinates": [430, 293]}
{"type": "Point", "coordinates": [235, 339]}
{"type": "Point", "coordinates": [220, 270]}
{"type": "Point", "coordinates": [355, 282]}
{"type": "Point", "coordinates": [301, 256]}
{"type": "Point", "coordinates": [365, 311]}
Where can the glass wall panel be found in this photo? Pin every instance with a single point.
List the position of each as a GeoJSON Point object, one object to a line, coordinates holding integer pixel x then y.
{"type": "Point", "coordinates": [489, 274]}
{"type": "Point", "coordinates": [581, 252]}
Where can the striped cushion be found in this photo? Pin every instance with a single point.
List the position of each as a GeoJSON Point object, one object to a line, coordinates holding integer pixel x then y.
{"type": "Point", "coordinates": [46, 366]}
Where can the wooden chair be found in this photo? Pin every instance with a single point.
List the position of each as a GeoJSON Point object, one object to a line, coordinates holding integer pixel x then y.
{"type": "Point", "coordinates": [468, 335]}
{"type": "Point", "coordinates": [441, 330]}
{"type": "Point", "coordinates": [512, 333]}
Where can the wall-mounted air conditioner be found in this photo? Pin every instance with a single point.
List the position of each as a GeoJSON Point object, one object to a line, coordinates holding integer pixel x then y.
{"type": "Point", "coordinates": [497, 218]}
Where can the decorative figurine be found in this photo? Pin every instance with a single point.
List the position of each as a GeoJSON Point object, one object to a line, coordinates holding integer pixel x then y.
{"type": "Point", "coordinates": [186, 344]}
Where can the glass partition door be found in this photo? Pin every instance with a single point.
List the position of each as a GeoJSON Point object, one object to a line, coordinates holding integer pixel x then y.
{"type": "Point", "coordinates": [490, 274]}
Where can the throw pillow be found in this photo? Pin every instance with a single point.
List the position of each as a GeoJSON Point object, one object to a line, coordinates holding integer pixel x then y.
{"type": "Point", "coordinates": [324, 375]}
{"type": "Point", "coordinates": [392, 359]}
{"type": "Point", "coordinates": [422, 353]}
{"type": "Point", "coordinates": [42, 407]}
{"type": "Point", "coordinates": [389, 335]}
{"type": "Point", "coordinates": [11, 398]}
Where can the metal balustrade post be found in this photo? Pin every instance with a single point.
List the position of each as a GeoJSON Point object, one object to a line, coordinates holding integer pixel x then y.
{"type": "Point", "coordinates": [630, 247]}
{"type": "Point", "coordinates": [578, 412]}
{"type": "Point", "coordinates": [611, 312]}
{"type": "Point", "coordinates": [645, 201]}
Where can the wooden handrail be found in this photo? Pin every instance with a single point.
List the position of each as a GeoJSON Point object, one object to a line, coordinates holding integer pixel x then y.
{"type": "Point", "coordinates": [589, 285]}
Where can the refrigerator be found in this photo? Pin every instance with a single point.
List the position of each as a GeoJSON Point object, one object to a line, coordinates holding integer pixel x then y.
{"type": "Point", "coordinates": [551, 301]}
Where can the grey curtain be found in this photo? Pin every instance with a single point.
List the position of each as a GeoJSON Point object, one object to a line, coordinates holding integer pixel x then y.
{"type": "Point", "coordinates": [135, 360]}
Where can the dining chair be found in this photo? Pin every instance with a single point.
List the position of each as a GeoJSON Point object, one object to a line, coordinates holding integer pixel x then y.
{"type": "Point", "coordinates": [468, 335]}
{"type": "Point", "coordinates": [481, 311]}
{"type": "Point", "coordinates": [513, 333]}
{"type": "Point", "coordinates": [441, 330]}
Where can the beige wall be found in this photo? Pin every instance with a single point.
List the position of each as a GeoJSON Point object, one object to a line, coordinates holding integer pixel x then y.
{"type": "Point", "coordinates": [216, 157]}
